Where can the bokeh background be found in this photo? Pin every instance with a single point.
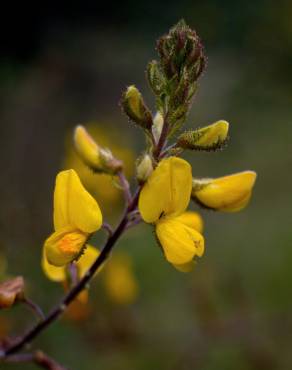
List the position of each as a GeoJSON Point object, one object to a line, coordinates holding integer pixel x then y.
{"type": "Point", "coordinates": [64, 65]}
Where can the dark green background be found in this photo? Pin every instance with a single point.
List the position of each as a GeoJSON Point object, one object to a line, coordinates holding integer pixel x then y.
{"type": "Point", "coordinates": [66, 64]}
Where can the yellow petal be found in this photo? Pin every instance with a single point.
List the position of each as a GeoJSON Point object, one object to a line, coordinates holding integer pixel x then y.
{"type": "Point", "coordinates": [54, 273]}
{"type": "Point", "coordinates": [229, 193]}
{"type": "Point", "coordinates": [191, 219]}
{"type": "Point", "coordinates": [86, 147]}
{"type": "Point", "coordinates": [86, 260]}
{"type": "Point", "coordinates": [64, 245]}
{"type": "Point", "coordinates": [73, 205]}
{"type": "Point", "coordinates": [211, 137]}
{"type": "Point", "coordinates": [180, 243]}
{"type": "Point", "coordinates": [212, 134]}
{"type": "Point", "coordinates": [167, 190]}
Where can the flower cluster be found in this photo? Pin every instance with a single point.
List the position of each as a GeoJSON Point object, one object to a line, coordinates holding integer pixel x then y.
{"type": "Point", "coordinates": [166, 182]}
{"type": "Point", "coordinates": [165, 186]}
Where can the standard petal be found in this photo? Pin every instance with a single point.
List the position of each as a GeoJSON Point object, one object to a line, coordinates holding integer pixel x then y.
{"type": "Point", "coordinates": [191, 219]}
{"type": "Point", "coordinates": [167, 190]}
{"type": "Point", "coordinates": [73, 205]}
{"type": "Point", "coordinates": [229, 193]}
{"type": "Point", "coordinates": [86, 260]}
{"type": "Point", "coordinates": [180, 243]}
{"type": "Point", "coordinates": [64, 246]}
{"type": "Point", "coordinates": [61, 199]}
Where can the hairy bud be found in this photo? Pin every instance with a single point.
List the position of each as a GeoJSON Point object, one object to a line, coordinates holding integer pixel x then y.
{"type": "Point", "coordinates": [96, 158]}
{"type": "Point", "coordinates": [181, 48]}
{"type": "Point", "coordinates": [158, 122]}
{"type": "Point", "coordinates": [144, 168]}
{"type": "Point", "coordinates": [212, 137]}
{"type": "Point", "coordinates": [133, 105]}
{"type": "Point", "coordinates": [155, 77]}
{"type": "Point", "coordinates": [11, 291]}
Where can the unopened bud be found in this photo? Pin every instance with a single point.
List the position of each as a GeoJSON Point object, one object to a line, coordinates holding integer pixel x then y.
{"type": "Point", "coordinates": [144, 168]}
{"type": "Point", "coordinates": [229, 193]}
{"type": "Point", "coordinates": [155, 77]}
{"type": "Point", "coordinates": [157, 126]}
{"type": "Point", "coordinates": [212, 137]}
{"type": "Point", "coordinates": [96, 158]}
{"type": "Point", "coordinates": [135, 108]}
{"type": "Point", "coordinates": [11, 291]}
{"type": "Point", "coordinates": [181, 48]}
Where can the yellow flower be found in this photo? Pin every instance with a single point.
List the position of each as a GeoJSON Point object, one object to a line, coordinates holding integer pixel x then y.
{"type": "Point", "coordinates": [96, 158]}
{"type": "Point", "coordinates": [119, 280]}
{"type": "Point", "coordinates": [76, 216]}
{"type": "Point", "coordinates": [101, 186]}
{"type": "Point", "coordinates": [59, 274]}
{"type": "Point", "coordinates": [163, 201]}
{"type": "Point", "coordinates": [229, 193]}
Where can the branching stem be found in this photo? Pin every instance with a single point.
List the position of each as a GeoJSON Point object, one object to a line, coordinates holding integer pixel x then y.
{"type": "Point", "coordinates": [126, 222]}
{"type": "Point", "coordinates": [76, 289]}
{"type": "Point", "coordinates": [34, 308]}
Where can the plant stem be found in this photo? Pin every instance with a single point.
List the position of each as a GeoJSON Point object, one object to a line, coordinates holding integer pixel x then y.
{"type": "Point", "coordinates": [125, 186]}
{"type": "Point", "coordinates": [34, 307]}
{"type": "Point", "coordinates": [76, 289]}
{"type": "Point", "coordinates": [38, 357]}
{"type": "Point", "coordinates": [108, 228]}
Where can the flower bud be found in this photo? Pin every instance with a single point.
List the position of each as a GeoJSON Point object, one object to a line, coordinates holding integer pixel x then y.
{"type": "Point", "coordinates": [181, 49]}
{"type": "Point", "coordinates": [212, 137]}
{"type": "Point", "coordinates": [97, 158]}
{"type": "Point", "coordinates": [135, 108]}
{"type": "Point", "coordinates": [229, 193]}
{"type": "Point", "coordinates": [11, 291]}
{"type": "Point", "coordinates": [157, 126]}
{"type": "Point", "coordinates": [144, 168]}
{"type": "Point", "coordinates": [155, 77]}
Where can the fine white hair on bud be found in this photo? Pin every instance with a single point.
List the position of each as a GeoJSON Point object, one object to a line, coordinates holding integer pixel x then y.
{"type": "Point", "coordinates": [144, 168]}
{"type": "Point", "coordinates": [158, 122]}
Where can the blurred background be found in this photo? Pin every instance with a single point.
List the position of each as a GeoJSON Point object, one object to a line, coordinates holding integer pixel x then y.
{"type": "Point", "coordinates": [64, 65]}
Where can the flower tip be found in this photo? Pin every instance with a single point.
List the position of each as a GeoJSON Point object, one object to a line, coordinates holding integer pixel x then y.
{"type": "Point", "coordinates": [229, 193]}
{"type": "Point", "coordinates": [223, 128]}
{"type": "Point", "coordinates": [247, 178]}
{"type": "Point", "coordinates": [132, 89]}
